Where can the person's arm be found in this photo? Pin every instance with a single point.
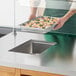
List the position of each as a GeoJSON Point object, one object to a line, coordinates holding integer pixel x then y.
{"type": "Point", "coordinates": [69, 14]}
{"type": "Point", "coordinates": [33, 6]}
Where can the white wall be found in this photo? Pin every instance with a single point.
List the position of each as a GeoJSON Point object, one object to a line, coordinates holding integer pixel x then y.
{"type": "Point", "coordinates": [6, 12]}
{"type": "Point", "coordinates": [22, 11]}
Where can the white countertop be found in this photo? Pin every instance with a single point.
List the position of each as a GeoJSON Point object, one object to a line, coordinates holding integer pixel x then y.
{"type": "Point", "coordinates": [42, 62]}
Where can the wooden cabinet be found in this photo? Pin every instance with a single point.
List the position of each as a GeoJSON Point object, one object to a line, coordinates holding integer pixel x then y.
{"type": "Point", "coordinates": [18, 72]}
{"type": "Point", "coordinates": [36, 73]}
{"type": "Point", "coordinates": [6, 71]}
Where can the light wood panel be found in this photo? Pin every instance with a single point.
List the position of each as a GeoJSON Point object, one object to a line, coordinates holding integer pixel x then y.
{"type": "Point", "coordinates": [17, 72]}
{"type": "Point", "coordinates": [4, 73]}
{"type": "Point", "coordinates": [8, 69]}
{"type": "Point", "coordinates": [37, 73]}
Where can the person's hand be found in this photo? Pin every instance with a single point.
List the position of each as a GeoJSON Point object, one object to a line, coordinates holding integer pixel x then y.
{"type": "Point", "coordinates": [32, 16]}
{"type": "Point", "coordinates": [60, 23]}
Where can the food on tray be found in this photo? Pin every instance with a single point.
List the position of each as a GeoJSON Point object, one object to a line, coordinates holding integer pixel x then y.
{"type": "Point", "coordinates": [41, 22]}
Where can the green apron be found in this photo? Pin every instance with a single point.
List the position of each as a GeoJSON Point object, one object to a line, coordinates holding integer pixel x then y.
{"type": "Point", "coordinates": [63, 36]}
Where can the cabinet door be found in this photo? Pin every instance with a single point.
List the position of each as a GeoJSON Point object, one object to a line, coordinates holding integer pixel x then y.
{"type": "Point", "coordinates": [4, 73]}
{"type": "Point", "coordinates": [7, 71]}
{"type": "Point", "coordinates": [36, 73]}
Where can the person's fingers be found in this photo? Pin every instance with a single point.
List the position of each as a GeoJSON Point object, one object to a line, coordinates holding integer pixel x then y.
{"type": "Point", "coordinates": [31, 17]}
{"type": "Point", "coordinates": [60, 23]}
{"type": "Point", "coordinates": [57, 27]}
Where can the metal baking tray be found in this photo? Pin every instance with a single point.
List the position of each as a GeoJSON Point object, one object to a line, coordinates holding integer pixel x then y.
{"type": "Point", "coordinates": [36, 30]}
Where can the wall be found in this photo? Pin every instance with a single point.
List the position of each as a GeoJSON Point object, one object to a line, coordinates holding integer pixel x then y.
{"type": "Point", "coordinates": [6, 12]}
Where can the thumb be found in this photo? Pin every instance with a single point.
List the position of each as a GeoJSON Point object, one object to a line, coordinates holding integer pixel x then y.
{"type": "Point", "coordinates": [57, 25]}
